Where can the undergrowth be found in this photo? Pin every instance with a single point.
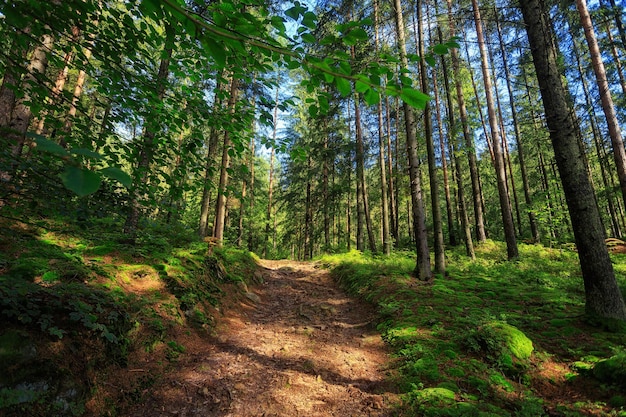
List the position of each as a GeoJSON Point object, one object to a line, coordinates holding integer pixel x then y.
{"type": "Point", "coordinates": [493, 337]}
{"type": "Point", "coordinates": [77, 300]}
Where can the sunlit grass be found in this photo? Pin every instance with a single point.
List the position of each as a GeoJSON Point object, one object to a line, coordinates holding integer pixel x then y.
{"type": "Point", "coordinates": [436, 331]}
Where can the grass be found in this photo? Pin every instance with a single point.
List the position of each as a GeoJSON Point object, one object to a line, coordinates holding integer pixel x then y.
{"type": "Point", "coordinates": [493, 337]}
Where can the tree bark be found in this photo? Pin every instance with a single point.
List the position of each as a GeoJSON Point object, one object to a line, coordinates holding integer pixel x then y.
{"type": "Point", "coordinates": [479, 220]}
{"type": "Point", "coordinates": [360, 169]}
{"type": "Point", "coordinates": [209, 170]}
{"type": "Point", "coordinates": [440, 256]}
{"type": "Point", "coordinates": [386, 238]}
{"type": "Point", "coordinates": [22, 113]}
{"type": "Point", "coordinates": [422, 268]}
{"type": "Point", "coordinates": [534, 229]}
{"type": "Point", "coordinates": [220, 207]}
{"type": "Point", "coordinates": [602, 294]}
{"type": "Point", "coordinates": [505, 207]}
{"type": "Point", "coordinates": [452, 132]}
{"type": "Point", "coordinates": [452, 226]}
{"type": "Point", "coordinates": [605, 95]}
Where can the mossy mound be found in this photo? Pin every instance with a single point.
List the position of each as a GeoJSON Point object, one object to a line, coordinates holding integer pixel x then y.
{"type": "Point", "coordinates": [439, 395]}
{"type": "Point", "coordinates": [504, 345]}
{"type": "Point", "coordinates": [516, 342]}
{"type": "Point", "coordinates": [612, 370]}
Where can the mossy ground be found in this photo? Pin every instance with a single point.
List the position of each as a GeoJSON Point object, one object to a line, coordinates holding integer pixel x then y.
{"type": "Point", "coordinates": [77, 303]}
{"type": "Point", "coordinates": [471, 333]}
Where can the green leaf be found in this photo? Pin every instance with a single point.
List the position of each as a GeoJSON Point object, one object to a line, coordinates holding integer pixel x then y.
{"type": "Point", "coordinates": [349, 40]}
{"type": "Point", "coordinates": [151, 8]}
{"type": "Point", "coordinates": [86, 152]}
{"type": "Point", "coordinates": [117, 174]}
{"type": "Point", "coordinates": [406, 81]}
{"type": "Point", "coordinates": [343, 85]}
{"type": "Point", "coordinates": [80, 180]}
{"type": "Point", "coordinates": [414, 98]}
{"type": "Point", "coordinates": [190, 28]}
{"type": "Point", "coordinates": [216, 50]}
{"type": "Point", "coordinates": [371, 97]}
{"type": "Point", "coordinates": [413, 57]}
{"type": "Point", "coordinates": [308, 38]}
{"type": "Point", "coordinates": [345, 68]}
{"type": "Point", "coordinates": [361, 87]}
{"type": "Point", "coordinates": [440, 49]}
{"type": "Point", "coordinates": [309, 20]}
{"type": "Point", "coordinates": [313, 110]}
{"type": "Point", "coordinates": [46, 145]}
{"type": "Point", "coordinates": [323, 103]}
{"type": "Point", "coordinates": [430, 60]}
{"type": "Point", "coordinates": [359, 34]}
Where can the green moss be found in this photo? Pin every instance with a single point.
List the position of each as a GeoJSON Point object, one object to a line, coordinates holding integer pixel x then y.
{"type": "Point", "coordinates": [514, 339]}
{"type": "Point", "coordinates": [612, 370]}
{"type": "Point", "coordinates": [434, 396]}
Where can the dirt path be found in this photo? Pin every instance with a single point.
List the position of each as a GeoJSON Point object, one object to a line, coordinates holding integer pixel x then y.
{"type": "Point", "coordinates": [296, 346]}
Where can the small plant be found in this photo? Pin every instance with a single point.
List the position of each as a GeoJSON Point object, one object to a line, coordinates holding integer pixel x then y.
{"type": "Point", "coordinates": [174, 350]}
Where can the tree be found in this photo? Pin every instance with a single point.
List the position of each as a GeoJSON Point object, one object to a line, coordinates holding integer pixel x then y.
{"type": "Point", "coordinates": [422, 268]}
{"type": "Point", "coordinates": [481, 235]}
{"type": "Point", "coordinates": [505, 206]}
{"type": "Point", "coordinates": [602, 294]}
{"type": "Point", "coordinates": [619, 153]}
{"type": "Point", "coordinates": [440, 259]}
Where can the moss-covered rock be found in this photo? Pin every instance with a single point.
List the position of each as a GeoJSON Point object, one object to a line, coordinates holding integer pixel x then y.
{"type": "Point", "coordinates": [612, 370]}
{"type": "Point", "coordinates": [515, 341]}
{"type": "Point", "coordinates": [504, 345]}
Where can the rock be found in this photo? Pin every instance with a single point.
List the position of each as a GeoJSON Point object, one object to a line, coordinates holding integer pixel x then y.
{"type": "Point", "coordinates": [612, 370]}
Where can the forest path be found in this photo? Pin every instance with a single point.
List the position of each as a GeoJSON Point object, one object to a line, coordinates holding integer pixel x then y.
{"type": "Point", "coordinates": [297, 345]}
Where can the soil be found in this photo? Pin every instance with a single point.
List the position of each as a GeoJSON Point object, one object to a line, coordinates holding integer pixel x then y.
{"type": "Point", "coordinates": [294, 345]}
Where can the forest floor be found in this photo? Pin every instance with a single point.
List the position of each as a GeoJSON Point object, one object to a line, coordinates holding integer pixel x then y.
{"type": "Point", "coordinates": [295, 345]}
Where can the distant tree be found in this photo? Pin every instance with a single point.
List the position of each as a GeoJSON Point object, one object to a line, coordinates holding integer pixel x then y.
{"type": "Point", "coordinates": [505, 206]}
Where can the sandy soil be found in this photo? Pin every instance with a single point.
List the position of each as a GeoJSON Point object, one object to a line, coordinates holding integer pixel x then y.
{"type": "Point", "coordinates": [295, 345]}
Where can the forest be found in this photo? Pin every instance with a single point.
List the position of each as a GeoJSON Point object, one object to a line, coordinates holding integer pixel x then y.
{"type": "Point", "coordinates": [458, 165]}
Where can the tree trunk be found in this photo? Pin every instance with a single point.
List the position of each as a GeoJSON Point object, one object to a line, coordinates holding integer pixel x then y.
{"type": "Point", "coordinates": [452, 226]}
{"type": "Point", "coordinates": [209, 170]}
{"type": "Point", "coordinates": [11, 78]}
{"type": "Point", "coordinates": [360, 169]}
{"type": "Point", "coordinates": [422, 268]}
{"type": "Point", "coordinates": [452, 129]}
{"type": "Point", "coordinates": [325, 181]}
{"type": "Point", "coordinates": [147, 145]}
{"type": "Point", "coordinates": [440, 256]}
{"type": "Point", "coordinates": [78, 91]}
{"type": "Point", "coordinates": [386, 238]}
{"type": "Point", "coordinates": [616, 58]}
{"type": "Point", "coordinates": [602, 156]}
{"type": "Point", "coordinates": [220, 207]}
{"type": "Point", "coordinates": [479, 220]}
{"type": "Point", "coordinates": [518, 138]}
{"type": "Point", "coordinates": [308, 217]}
{"type": "Point", "coordinates": [251, 195]}
{"type": "Point", "coordinates": [22, 113]}
{"type": "Point", "coordinates": [602, 294]}
{"type": "Point", "coordinates": [605, 95]}
{"type": "Point", "coordinates": [505, 207]}
{"type": "Point", "coordinates": [393, 208]}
